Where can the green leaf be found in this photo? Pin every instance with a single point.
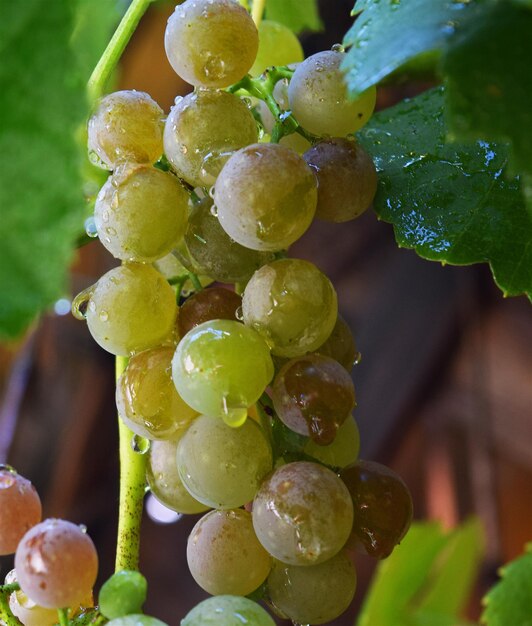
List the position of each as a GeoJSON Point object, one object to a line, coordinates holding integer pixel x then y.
{"type": "Point", "coordinates": [510, 601]}
{"type": "Point", "coordinates": [450, 202]}
{"type": "Point", "coordinates": [298, 15]}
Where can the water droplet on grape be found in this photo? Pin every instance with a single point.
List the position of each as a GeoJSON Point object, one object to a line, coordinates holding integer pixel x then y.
{"type": "Point", "coordinates": [90, 227]}
{"type": "Point", "coordinates": [337, 47]}
{"type": "Point", "coordinates": [239, 314]}
{"type": "Point", "coordinates": [83, 528]}
{"type": "Point", "coordinates": [214, 210]}
{"type": "Point", "coordinates": [140, 445]}
{"type": "Point", "coordinates": [358, 358]}
{"type": "Point", "coordinates": [80, 303]}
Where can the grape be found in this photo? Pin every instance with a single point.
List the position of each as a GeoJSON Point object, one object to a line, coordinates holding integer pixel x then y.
{"type": "Point", "coordinates": [215, 303]}
{"type": "Point", "coordinates": [224, 555]}
{"type": "Point", "coordinates": [164, 481]}
{"type": "Point", "coordinates": [136, 620]}
{"type": "Point", "coordinates": [382, 504]}
{"type": "Point", "coordinates": [303, 514]}
{"type": "Point", "coordinates": [277, 46]}
{"type": "Point", "coordinates": [347, 179]}
{"type": "Point", "coordinates": [340, 345]}
{"type": "Point", "coordinates": [319, 101]}
{"type": "Point", "coordinates": [292, 305]}
{"type": "Point", "coordinates": [123, 593]}
{"type": "Point", "coordinates": [20, 508]}
{"type": "Point", "coordinates": [141, 213]}
{"type": "Point", "coordinates": [171, 267]}
{"type": "Point", "coordinates": [147, 399]}
{"type": "Point", "coordinates": [202, 131]}
{"type": "Point", "coordinates": [131, 308]}
{"type": "Point", "coordinates": [342, 451]}
{"type": "Point", "coordinates": [56, 564]}
{"type": "Point", "coordinates": [211, 43]}
{"type": "Point", "coordinates": [127, 126]}
{"type": "Point", "coordinates": [222, 466]}
{"type": "Point", "coordinates": [313, 395]}
{"type": "Point", "coordinates": [222, 367]}
{"type": "Point", "coordinates": [266, 197]}
{"type": "Point", "coordinates": [214, 253]}
{"type": "Point", "coordinates": [227, 611]}
{"type": "Point", "coordinates": [314, 594]}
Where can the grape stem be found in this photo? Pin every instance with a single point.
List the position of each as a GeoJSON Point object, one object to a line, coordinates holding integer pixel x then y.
{"type": "Point", "coordinates": [195, 281]}
{"type": "Point", "coordinates": [63, 617]}
{"type": "Point", "coordinates": [6, 617]}
{"type": "Point", "coordinates": [257, 11]}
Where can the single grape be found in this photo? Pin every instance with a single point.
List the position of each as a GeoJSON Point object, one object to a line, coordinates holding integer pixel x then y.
{"type": "Point", "coordinates": [131, 308]}
{"type": "Point", "coordinates": [292, 305]}
{"type": "Point", "coordinates": [303, 514]}
{"type": "Point", "coordinates": [222, 367]}
{"type": "Point", "coordinates": [319, 101]}
{"type": "Point", "coordinates": [223, 466]}
{"type": "Point", "coordinates": [141, 213]}
{"type": "Point", "coordinates": [277, 46]}
{"type": "Point", "coordinates": [224, 555]}
{"type": "Point", "coordinates": [382, 505]}
{"type": "Point", "coordinates": [227, 611]}
{"type": "Point", "coordinates": [266, 197]}
{"type": "Point", "coordinates": [164, 481]}
{"type": "Point", "coordinates": [315, 594]}
{"type": "Point", "coordinates": [123, 593]}
{"type": "Point", "coordinates": [146, 397]}
{"type": "Point", "coordinates": [313, 395]}
{"type": "Point", "coordinates": [126, 126]}
{"type": "Point", "coordinates": [56, 564]}
{"type": "Point", "coordinates": [202, 131]}
{"type": "Point", "coordinates": [216, 303]}
{"type": "Point", "coordinates": [342, 451]}
{"type": "Point", "coordinates": [340, 345]}
{"type": "Point", "coordinates": [211, 43]}
{"type": "Point", "coordinates": [347, 179]}
{"type": "Point", "coordinates": [20, 508]}
{"type": "Point", "coordinates": [136, 620]}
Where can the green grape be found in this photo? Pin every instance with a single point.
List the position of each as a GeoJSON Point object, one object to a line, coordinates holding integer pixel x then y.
{"type": "Point", "coordinates": [211, 43]}
{"type": "Point", "coordinates": [171, 268]}
{"type": "Point", "coordinates": [223, 466]}
{"type": "Point", "coordinates": [342, 451]}
{"type": "Point", "coordinates": [202, 131]}
{"type": "Point", "coordinates": [123, 593]}
{"type": "Point", "coordinates": [227, 611]}
{"type": "Point", "coordinates": [141, 213]}
{"type": "Point", "coordinates": [303, 514]}
{"type": "Point", "coordinates": [292, 305]}
{"type": "Point", "coordinates": [222, 367]}
{"type": "Point", "coordinates": [215, 303]}
{"type": "Point", "coordinates": [224, 555]}
{"type": "Point", "coordinates": [131, 308]}
{"type": "Point", "coordinates": [214, 253]}
{"type": "Point", "coordinates": [347, 179]}
{"type": "Point", "coordinates": [164, 481]}
{"type": "Point", "coordinates": [127, 126]}
{"type": "Point", "coordinates": [277, 46]}
{"type": "Point", "coordinates": [146, 397]}
{"type": "Point", "coordinates": [315, 594]}
{"type": "Point", "coordinates": [136, 620]}
{"type": "Point", "coordinates": [340, 345]}
{"type": "Point", "coordinates": [318, 97]}
{"type": "Point", "coordinates": [266, 197]}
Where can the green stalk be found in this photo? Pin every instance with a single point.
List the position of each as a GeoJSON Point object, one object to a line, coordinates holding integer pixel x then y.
{"type": "Point", "coordinates": [63, 617]}
{"type": "Point", "coordinates": [257, 11]}
{"type": "Point", "coordinates": [5, 613]}
{"type": "Point", "coordinates": [132, 490]}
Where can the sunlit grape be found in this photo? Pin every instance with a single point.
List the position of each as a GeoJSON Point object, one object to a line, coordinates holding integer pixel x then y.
{"type": "Point", "coordinates": [227, 611]}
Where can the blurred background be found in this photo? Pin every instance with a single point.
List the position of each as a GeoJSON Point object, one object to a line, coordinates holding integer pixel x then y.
{"type": "Point", "coordinates": [444, 386]}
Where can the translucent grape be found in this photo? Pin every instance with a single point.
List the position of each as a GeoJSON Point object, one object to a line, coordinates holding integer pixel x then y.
{"type": "Point", "coordinates": [127, 126]}
{"type": "Point", "coordinates": [347, 179]}
{"type": "Point", "coordinates": [221, 367]}
{"type": "Point", "coordinates": [215, 303]}
{"type": "Point", "coordinates": [340, 345]}
{"type": "Point", "coordinates": [224, 555]}
{"type": "Point", "coordinates": [141, 213]}
{"type": "Point", "coordinates": [123, 593]}
{"type": "Point", "coordinates": [164, 481]}
{"type": "Point", "coordinates": [266, 197]}
{"type": "Point", "coordinates": [292, 305]}
{"type": "Point", "coordinates": [56, 564]}
{"type": "Point", "coordinates": [136, 620]}
{"type": "Point", "coordinates": [223, 466]}
{"type": "Point", "coordinates": [227, 611]}
{"type": "Point", "coordinates": [342, 451]}
{"type": "Point", "coordinates": [211, 43]}
{"type": "Point", "coordinates": [131, 308]}
{"type": "Point", "coordinates": [303, 514]}
{"type": "Point", "coordinates": [20, 508]}
{"type": "Point", "coordinates": [147, 399]}
{"type": "Point", "coordinates": [314, 594]}
{"type": "Point", "coordinates": [197, 143]}
{"type": "Point", "coordinates": [318, 97]}
{"type": "Point", "coordinates": [277, 46]}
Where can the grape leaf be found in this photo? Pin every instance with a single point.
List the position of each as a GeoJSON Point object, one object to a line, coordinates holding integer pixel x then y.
{"type": "Point", "coordinates": [510, 601]}
{"type": "Point", "coordinates": [298, 15]}
{"type": "Point", "coordinates": [450, 202]}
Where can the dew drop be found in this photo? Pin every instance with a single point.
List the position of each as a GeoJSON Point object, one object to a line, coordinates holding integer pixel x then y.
{"type": "Point", "coordinates": [81, 302]}
{"type": "Point", "coordinates": [234, 417]}
{"type": "Point", "coordinates": [337, 47]}
{"type": "Point", "coordinates": [239, 314]}
{"type": "Point", "coordinates": [139, 444]}
{"type": "Point", "coordinates": [90, 227]}
{"type": "Point", "coordinates": [357, 358]}
{"type": "Point", "coordinates": [83, 528]}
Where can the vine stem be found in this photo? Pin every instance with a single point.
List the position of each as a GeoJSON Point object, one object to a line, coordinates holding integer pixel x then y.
{"type": "Point", "coordinates": [63, 617]}
{"type": "Point", "coordinates": [115, 48]}
{"type": "Point", "coordinates": [132, 491]}
{"type": "Point", "coordinates": [257, 11]}
{"type": "Point", "coordinates": [6, 616]}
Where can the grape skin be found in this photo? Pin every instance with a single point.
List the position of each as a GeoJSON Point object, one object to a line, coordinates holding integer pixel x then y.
{"type": "Point", "coordinates": [278, 46]}
{"type": "Point", "coordinates": [124, 592]}
{"type": "Point", "coordinates": [227, 611]}
{"type": "Point", "coordinates": [136, 620]}
{"type": "Point", "coordinates": [20, 509]}
{"type": "Point", "coordinates": [340, 345]}
{"type": "Point", "coordinates": [208, 304]}
{"type": "Point", "coordinates": [343, 451]}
